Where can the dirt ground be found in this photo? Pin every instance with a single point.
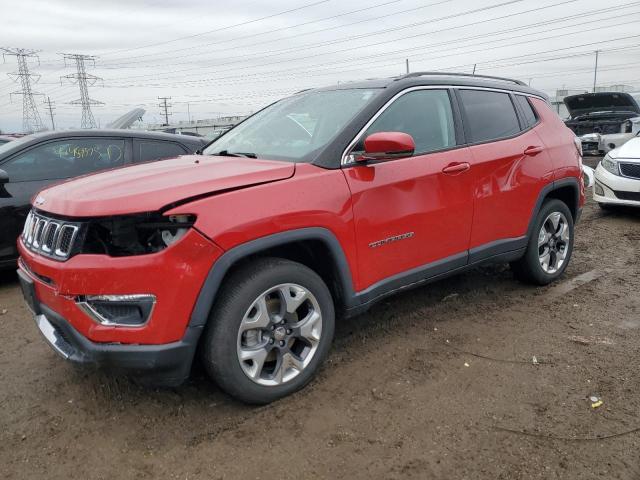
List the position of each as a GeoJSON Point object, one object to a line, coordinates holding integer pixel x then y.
{"type": "Point", "coordinates": [438, 382]}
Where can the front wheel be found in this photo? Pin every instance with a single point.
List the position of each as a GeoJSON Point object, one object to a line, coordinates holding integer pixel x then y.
{"type": "Point", "coordinates": [550, 246]}
{"type": "Point", "coordinates": [269, 330]}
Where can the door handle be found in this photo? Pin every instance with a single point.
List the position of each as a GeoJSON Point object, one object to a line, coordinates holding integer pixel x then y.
{"type": "Point", "coordinates": [455, 168]}
{"type": "Point", "coordinates": [532, 150]}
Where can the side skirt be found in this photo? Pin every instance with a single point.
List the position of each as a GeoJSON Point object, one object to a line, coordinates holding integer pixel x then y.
{"type": "Point", "coordinates": [502, 251]}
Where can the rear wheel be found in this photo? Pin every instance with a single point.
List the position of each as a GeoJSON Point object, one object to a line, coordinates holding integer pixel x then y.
{"type": "Point", "coordinates": [269, 331]}
{"type": "Point", "coordinates": [550, 246]}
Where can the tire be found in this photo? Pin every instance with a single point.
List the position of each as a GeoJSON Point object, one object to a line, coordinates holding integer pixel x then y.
{"type": "Point", "coordinates": [283, 343]}
{"type": "Point", "coordinates": [559, 245]}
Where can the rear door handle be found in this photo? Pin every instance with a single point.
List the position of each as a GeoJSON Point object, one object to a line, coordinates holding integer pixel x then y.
{"type": "Point", "coordinates": [532, 150]}
{"type": "Point", "coordinates": [455, 168]}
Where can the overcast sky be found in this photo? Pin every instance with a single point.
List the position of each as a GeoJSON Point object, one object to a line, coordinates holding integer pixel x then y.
{"type": "Point", "coordinates": [222, 57]}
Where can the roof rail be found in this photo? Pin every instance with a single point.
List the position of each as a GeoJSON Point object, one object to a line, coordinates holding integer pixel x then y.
{"type": "Point", "coordinates": [450, 74]}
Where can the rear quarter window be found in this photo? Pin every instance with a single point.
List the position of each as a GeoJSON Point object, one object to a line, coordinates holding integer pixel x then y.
{"type": "Point", "coordinates": [529, 113]}
{"type": "Point", "coordinates": [154, 150]}
{"type": "Point", "coordinates": [488, 115]}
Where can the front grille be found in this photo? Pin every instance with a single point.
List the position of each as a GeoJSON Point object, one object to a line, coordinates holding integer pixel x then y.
{"type": "Point", "coordinates": [635, 196]}
{"type": "Point", "coordinates": [48, 236]}
{"type": "Point", "coordinates": [630, 169]}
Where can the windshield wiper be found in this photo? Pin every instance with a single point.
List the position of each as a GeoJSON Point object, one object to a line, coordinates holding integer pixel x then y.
{"type": "Point", "coordinates": [227, 153]}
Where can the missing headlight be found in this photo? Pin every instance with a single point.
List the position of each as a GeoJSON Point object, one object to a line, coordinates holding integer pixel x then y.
{"type": "Point", "coordinates": [137, 234]}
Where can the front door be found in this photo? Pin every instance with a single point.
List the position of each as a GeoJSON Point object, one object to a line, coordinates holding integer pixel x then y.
{"type": "Point", "coordinates": [409, 214]}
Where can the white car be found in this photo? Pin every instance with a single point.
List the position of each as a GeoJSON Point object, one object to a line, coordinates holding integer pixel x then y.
{"type": "Point", "coordinates": [618, 176]}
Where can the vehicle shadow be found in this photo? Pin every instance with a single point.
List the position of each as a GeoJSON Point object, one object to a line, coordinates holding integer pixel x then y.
{"type": "Point", "coordinates": [623, 212]}
{"type": "Point", "coordinates": [8, 277]}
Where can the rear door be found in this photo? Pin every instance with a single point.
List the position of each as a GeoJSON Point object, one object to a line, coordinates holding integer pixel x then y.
{"type": "Point", "coordinates": [509, 165]}
{"type": "Point", "coordinates": [148, 150]}
{"type": "Point", "coordinates": [409, 215]}
{"type": "Point", "coordinates": [41, 165]}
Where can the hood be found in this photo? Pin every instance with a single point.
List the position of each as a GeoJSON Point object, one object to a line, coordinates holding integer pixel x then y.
{"type": "Point", "coordinates": [151, 186]}
{"type": "Point", "coordinates": [630, 149]}
{"type": "Point", "coordinates": [600, 102]}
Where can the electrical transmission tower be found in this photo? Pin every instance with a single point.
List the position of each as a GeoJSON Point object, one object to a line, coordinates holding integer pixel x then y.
{"type": "Point", "coordinates": [84, 80]}
{"type": "Point", "coordinates": [165, 108]}
{"type": "Point", "coordinates": [51, 108]}
{"type": "Point", "coordinates": [31, 121]}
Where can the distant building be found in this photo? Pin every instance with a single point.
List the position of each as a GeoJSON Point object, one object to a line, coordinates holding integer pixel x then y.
{"type": "Point", "coordinates": [210, 127]}
{"type": "Point", "coordinates": [558, 100]}
{"type": "Point", "coordinates": [616, 88]}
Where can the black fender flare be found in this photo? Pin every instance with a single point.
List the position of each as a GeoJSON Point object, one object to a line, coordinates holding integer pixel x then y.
{"type": "Point", "coordinates": [221, 266]}
{"type": "Point", "coordinates": [544, 193]}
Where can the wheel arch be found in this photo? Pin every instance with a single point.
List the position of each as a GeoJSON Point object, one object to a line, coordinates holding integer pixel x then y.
{"type": "Point", "coordinates": [315, 247]}
{"type": "Point", "coordinates": [566, 190]}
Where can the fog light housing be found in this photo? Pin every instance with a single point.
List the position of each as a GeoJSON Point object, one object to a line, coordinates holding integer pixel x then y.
{"type": "Point", "coordinates": [599, 189]}
{"type": "Point", "coordinates": [118, 310]}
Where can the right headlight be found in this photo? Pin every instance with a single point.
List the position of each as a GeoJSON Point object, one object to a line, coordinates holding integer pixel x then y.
{"type": "Point", "coordinates": [136, 234]}
{"type": "Point", "coordinates": [610, 164]}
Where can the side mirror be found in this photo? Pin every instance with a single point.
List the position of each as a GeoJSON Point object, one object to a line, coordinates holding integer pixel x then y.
{"type": "Point", "coordinates": [4, 179]}
{"type": "Point", "coordinates": [387, 146]}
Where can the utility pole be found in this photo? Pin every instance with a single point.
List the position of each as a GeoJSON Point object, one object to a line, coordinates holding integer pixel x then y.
{"type": "Point", "coordinates": [50, 107]}
{"type": "Point", "coordinates": [474, 69]}
{"type": "Point", "coordinates": [165, 108]}
{"type": "Point", "coordinates": [595, 72]}
{"type": "Point", "coordinates": [31, 121]}
{"type": "Point", "coordinates": [188, 112]}
{"type": "Point", "coordinates": [84, 80]}
{"type": "Point", "coordinates": [407, 65]}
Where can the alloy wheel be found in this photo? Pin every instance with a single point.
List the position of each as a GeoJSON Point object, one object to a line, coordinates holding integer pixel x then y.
{"type": "Point", "coordinates": [553, 242]}
{"type": "Point", "coordinates": [279, 334]}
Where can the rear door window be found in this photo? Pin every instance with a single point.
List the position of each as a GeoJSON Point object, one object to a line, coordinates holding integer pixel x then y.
{"type": "Point", "coordinates": [65, 159]}
{"type": "Point", "coordinates": [489, 115]}
{"type": "Point", "coordinates": [154, 150]}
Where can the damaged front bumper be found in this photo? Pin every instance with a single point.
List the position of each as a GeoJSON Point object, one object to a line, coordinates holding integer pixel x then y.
{"type": "Point", "coordinates": [158, 350]}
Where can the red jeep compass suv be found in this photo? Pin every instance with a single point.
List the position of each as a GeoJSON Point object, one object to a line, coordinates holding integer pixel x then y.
{"type": "Point", "coordinates": [315, 207]}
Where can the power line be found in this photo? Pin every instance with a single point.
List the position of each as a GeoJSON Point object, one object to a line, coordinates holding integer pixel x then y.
{"type": "Point", "coordinates": [31, 121]}
{"type": "Point", "coordinates": [446, 54]}
{"type": "Point", "coordinates": [401, 51]}
{"type": "Point", "coordinates": [412, 25]}
{"type": "Point", "coordinates": [288, 27]}
{"type": "Point", "coordinates": [218, 29]}
{"type": "Point", "coordinates": [83, 79]}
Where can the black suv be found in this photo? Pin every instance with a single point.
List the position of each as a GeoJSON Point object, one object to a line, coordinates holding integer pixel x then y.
{"type": "Point", "coordinates": [29, 164]}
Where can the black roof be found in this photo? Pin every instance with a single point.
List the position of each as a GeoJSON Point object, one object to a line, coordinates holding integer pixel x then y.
{"type": "Point", "coordinates": [441, 78]}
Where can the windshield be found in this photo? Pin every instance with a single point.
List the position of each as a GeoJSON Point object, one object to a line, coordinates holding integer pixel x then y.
{"type": "Point", "coordinates": [294, 129]}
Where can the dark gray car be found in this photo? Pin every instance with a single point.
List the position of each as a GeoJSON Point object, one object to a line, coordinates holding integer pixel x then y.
{"type": "Point", "coordinates": [29, 164]}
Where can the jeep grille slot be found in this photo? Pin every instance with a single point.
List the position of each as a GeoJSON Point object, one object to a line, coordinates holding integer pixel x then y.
{"type": "Point", "coordinates": [49, 237]}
